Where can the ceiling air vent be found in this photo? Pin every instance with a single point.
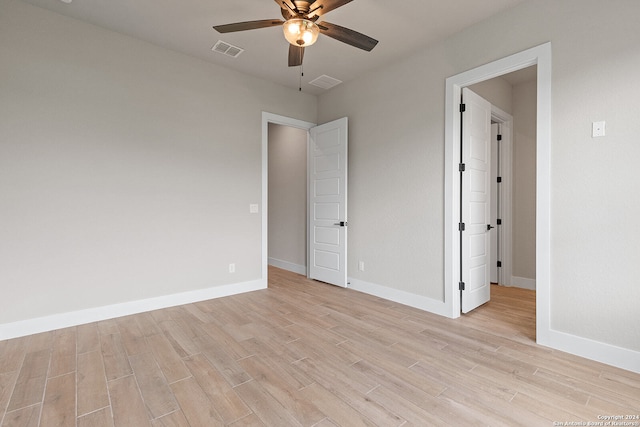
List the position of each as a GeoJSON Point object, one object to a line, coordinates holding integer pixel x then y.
{"type": "Point", "coordinates": [227, 49]}
{"type": "Point", "coordinates": [325, 82]}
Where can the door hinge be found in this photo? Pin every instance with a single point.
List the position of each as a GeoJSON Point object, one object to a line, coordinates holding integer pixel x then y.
{"type": "Point", "coordinates": [499, 263]}
{"type": "Point", "coordinates": [461, 226]}
{"type": "Point", "coordinates": [499, 221]}
{"type": "Point", "coordinates": [462, 167]}
{"type": "Point", "coordinates": [499, 179]}
{"type": "Point", "coordinates": [461, 286]}
{"type": "Point", "coordinates": [463, 107]}
{"type": "Point", "coordinates": [499, 137]}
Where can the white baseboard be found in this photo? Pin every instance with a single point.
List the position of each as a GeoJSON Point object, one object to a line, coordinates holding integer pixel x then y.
{"type": "Point", "coordinates": [289, 266]}
{"type": "Point", "coordinates": [601, 352]}
{"type": "Point", "coordinates": [80, 317]}
{"type": "Point", "coordinates": [523, 282]}
{"type": "Point", "coordinates": [402, 297]}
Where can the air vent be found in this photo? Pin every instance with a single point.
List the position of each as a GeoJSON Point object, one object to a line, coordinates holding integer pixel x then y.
{"type": "Point", "coordinates": [325, 82]}
{"type": "Point", "coordinates": [227, 49]}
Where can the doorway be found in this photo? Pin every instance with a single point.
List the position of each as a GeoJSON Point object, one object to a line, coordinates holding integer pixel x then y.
{"type": "Point", "coordinates": [513, 178]}
{"type": "Point", "coordinates": [287, 122]}
{"type": "Point", "coordinates": [326, 200]}
{"type": "Point", "coordinates": [287, 204]}
{"type": "Point", "coordinates": [540, 56]}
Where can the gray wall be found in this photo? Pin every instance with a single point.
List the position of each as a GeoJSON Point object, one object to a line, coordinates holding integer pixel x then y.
{"type": "Point", "coordinates": [498, 91]}
{"type": "Point", "coordinates": [524, 180]}
{"type": "Point", "coordinates": [287, 197]}
{"type": "Point", "coordinates": [396, 180]}
{"type": "Point", "coordinates": [126, 170]}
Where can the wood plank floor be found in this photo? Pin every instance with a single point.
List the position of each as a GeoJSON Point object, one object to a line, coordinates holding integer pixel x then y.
{"type": "Point", "coordinates": [304, 353]}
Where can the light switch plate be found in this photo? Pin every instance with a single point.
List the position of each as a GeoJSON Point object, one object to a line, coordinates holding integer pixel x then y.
{"type": "Point", "coordinates": [253, 208]}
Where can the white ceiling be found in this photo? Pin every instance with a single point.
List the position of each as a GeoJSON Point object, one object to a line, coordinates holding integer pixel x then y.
{"type": "Point", "coordinates": [401, 26]}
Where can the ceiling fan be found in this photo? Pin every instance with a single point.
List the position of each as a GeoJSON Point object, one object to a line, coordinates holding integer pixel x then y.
{"type": "Point", "coordinates": [301, 28]}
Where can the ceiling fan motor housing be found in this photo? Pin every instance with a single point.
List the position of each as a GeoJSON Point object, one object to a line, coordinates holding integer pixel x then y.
{"type": "Point", "coordinates": [303, 7]}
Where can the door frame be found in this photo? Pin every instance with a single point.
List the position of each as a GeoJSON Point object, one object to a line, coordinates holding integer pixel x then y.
{"type": "Point", "coordinates": [505, 190]}
{"type": "Point", "coordinates": [285, 121]}
{"type": "Point", "coordinates": [540, 56]}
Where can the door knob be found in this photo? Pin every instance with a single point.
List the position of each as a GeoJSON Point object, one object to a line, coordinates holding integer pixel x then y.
{"type": "Point", "coordinates": [341, 223]}
{"type": "Point", "coordinates": [489, 227]}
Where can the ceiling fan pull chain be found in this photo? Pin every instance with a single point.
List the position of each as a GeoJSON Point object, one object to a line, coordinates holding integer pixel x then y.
{"type": "Point", "coordinates": [301, 75]}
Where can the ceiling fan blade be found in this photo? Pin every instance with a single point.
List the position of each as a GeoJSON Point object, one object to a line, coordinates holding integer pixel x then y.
{"type": "Point", "coordinates": [325, 6]}
{"type": "Point", "coordinates": [296, 54]}
{"type": "Point", "coordinates": [347, 36]}
{"type": "Point", "coordinates": [249, 25]}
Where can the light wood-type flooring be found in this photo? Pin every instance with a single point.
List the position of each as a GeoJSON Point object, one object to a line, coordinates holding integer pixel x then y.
{"type": "Point", "coordinates": [303, 353]}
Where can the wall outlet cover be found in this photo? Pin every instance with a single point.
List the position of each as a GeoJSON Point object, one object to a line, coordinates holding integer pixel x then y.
{"type": "Point", "coordinates": [598, 129]}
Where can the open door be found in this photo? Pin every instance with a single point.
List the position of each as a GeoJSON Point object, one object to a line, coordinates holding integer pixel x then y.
{"type": "Point", "coordinates": [328, 202]}
{"type": "Point", "coordinates": [475, 201]}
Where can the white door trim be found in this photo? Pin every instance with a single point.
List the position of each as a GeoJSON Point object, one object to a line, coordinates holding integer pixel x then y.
{"type": "Point", "coordinates": [505, 189]}
{"type": "Point", "coordinates": [540, 55]}
{"type": "Point", "coordinates": [280, 120]}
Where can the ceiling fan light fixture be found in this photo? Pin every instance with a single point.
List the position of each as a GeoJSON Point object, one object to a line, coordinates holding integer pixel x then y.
{"type": "Point", "coordinates": [301, 32]}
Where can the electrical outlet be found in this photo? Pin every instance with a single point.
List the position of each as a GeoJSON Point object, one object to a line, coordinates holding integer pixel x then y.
{"type": "Point", "coordinates": [598, 129]}
{"type": "Point", "coordinates": [232, 268]}
{"type": "Point", "coordinates": [361, 265]}
{"type": "Point", "coordinates": [254, 208]}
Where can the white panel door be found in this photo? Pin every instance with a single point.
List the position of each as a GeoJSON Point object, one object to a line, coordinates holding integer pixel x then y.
{"type": "Point", "coordinates": [328, 202]}
{"type": "Point", "coordinates": [476, 200]}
